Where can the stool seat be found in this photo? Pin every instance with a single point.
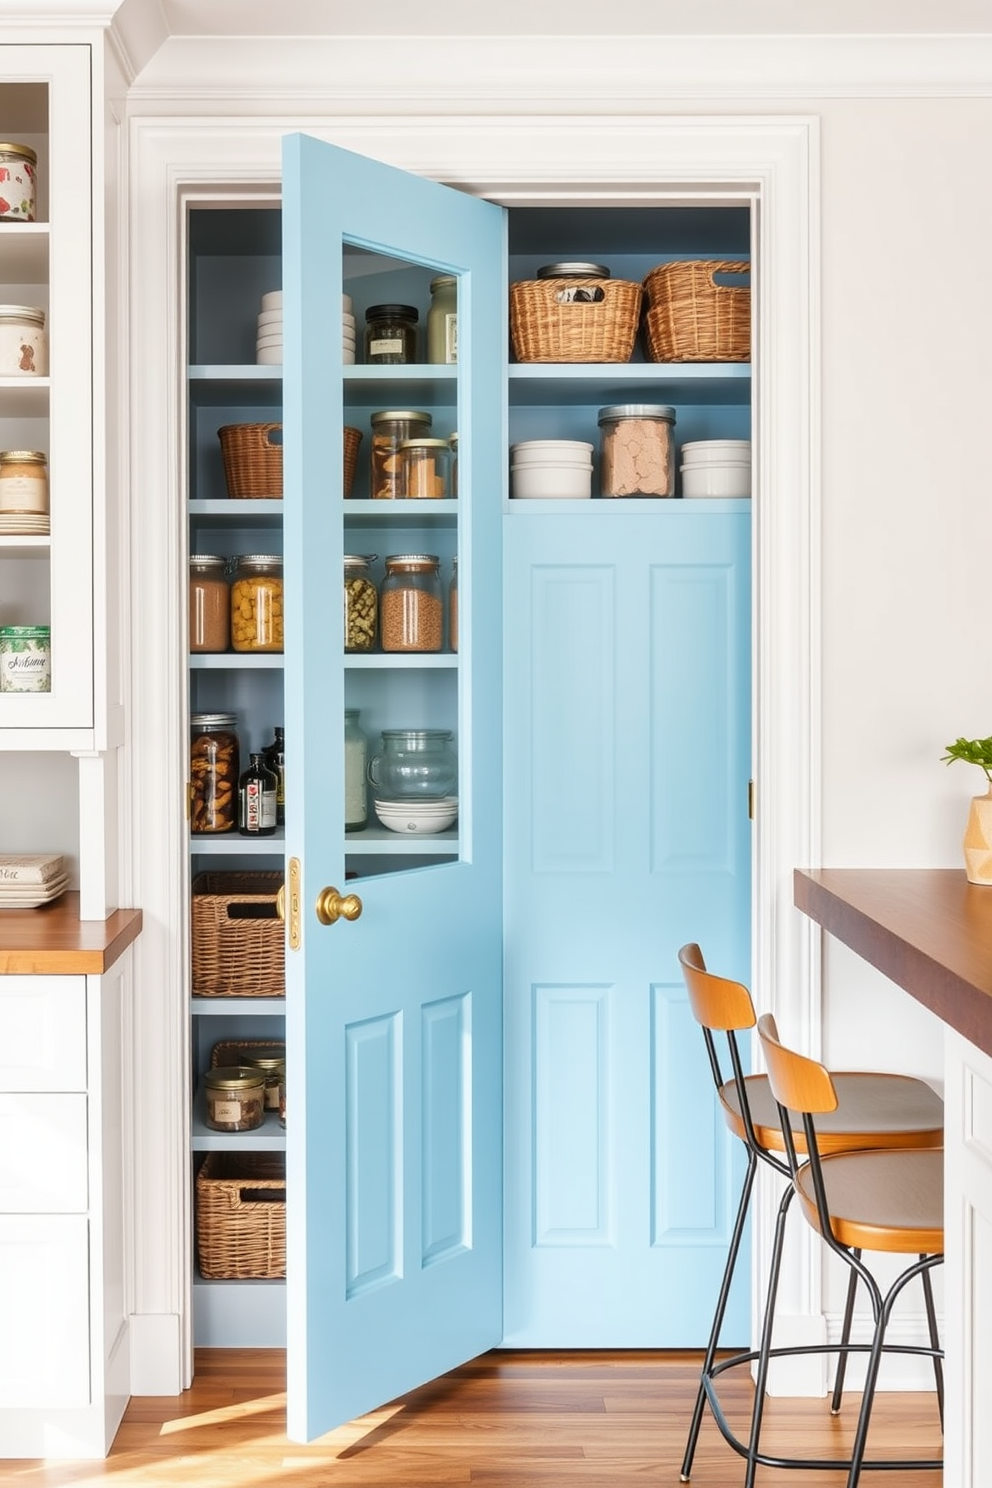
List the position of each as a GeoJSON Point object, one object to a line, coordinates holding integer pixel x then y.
{"type": "Point", "coordinates": [873, 1110]}
{"type": "Point", "coordinates": [880, 1200]}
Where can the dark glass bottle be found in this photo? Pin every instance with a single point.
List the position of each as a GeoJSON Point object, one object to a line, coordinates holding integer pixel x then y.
{"type": "Point", "coordinates": [275, 760]}
{"type": "Point", "coordinates": [257, 800]}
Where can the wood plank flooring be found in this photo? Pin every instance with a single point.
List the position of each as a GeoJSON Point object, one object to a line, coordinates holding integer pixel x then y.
{"type": "Point", "coordinates": [506, 1420]}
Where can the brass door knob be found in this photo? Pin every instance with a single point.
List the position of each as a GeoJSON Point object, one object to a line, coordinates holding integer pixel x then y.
{"type": "Point", "coordinates": [333, 906]}
{"type": "Point", "coordinates": [281, 903]}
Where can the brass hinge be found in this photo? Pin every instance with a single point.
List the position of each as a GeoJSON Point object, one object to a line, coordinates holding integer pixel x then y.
{"type": "Point", "coordinates": [190, 793]}
{"type": "Point", "coordinates": [750, 800]}
{"type": "Point", "coordinates": [294, 936]}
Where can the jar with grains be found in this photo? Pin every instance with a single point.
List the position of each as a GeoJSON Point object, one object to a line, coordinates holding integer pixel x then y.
{"type": "Point", "coordinates": [209, 603]}
{"type": "Point", "coordinates": [214, 771]}
{"type": "Point", "coordinates": [23, 481]}
{"type": "Point", "coordinates": [356, 748]}
{"type": "Point", "coordinates": [361, 603]}
{"type": "Point", "coordinates": [453, 607]}
{"type": "Point", "coordinates": [23, 341]}
{"type": "Point", "coordinates": [424, 469]}
{"type": "Point", "coordinates": [18, 171]}
{"type": "Point", "coordinates": [391, 334]}
{"type": "Point", "coordinates": [256, 603]}
{"type": "Point", "coordinates": [411, 611]}
{"type": "Point", "coordinates": [442, 320]}
{"type": "Point", "coordinates": [270, 1061]}
{"type": "Point", "coordinates": [235, 1098]}
{"type": "Point", "coordinates": [389, 429]}
{"type": "Point", "coordinates": [637, 454]}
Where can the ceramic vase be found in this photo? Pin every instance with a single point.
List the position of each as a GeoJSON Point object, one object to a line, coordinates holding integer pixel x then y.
{"type": "Point", "coordinates": [978, 840]}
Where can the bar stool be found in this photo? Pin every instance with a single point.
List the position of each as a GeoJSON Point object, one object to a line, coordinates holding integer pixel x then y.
{"type": "Point", "coordinates": [889, 1201]}
{"type": "Point", "coordinates": [874, 1110]}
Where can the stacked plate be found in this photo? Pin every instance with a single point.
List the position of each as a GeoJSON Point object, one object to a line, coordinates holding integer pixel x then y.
{"type": "Point", "coordinates": [268, 341]}
{"type": "Point", "coordinates": [551, 468]}
{"type": "Point", "coordinates": [418, 817]}
{"type": "Point", "coordinates": [716, 467]}
{"type": "Point", "coordinates": [28, 880]}
{"type": "Point", "coordinates": [24, 524]}
{"type": "Point", "coordinates": [347, 331]}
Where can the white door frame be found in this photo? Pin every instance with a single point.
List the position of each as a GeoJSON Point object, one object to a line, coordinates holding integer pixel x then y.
{"type": "Point", "coordinates": [771, 162]}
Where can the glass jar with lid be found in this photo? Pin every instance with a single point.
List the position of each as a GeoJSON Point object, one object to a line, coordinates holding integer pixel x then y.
{"type": "Point", "coordinates": [389, 429]}
{"type": "Point", "coordinates": [411, 611]}
{"type": "Point", "coordinates": [24, 481]}
{"type": "Point", "coordinates": [453, 607]}
{"type": "Point", "coordinates": [256, 603]}
{"type": "Point", "coordinates": [637, 450]}
{"type": "Point", "coordinates": [361, 603]}
{"type": "Point", "coordinates": [235, 1098]}
{"type": "Point", "coordinates": [424, 469]}
{"type": "Point", "coordinates": [23, 341]}
{"type": "Point", "coordinates": [270, 1061]}
{"type": "Point", "coordinates": [215, 768]}
{"type": "Point", "coordinates": [19, 164]}
{"type": "Point", "coordinates": [209, 603]}
{"type": "Point", "coordinates": [442, 319]}
{"type": "Point", "coordinates": [356, 749]}
{"type": "Point", "coordinates": [391, 334]}
{"type": "Point", "coordinates": [414, 765]}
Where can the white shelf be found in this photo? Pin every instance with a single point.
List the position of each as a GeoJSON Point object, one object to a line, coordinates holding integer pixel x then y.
{"type": "Point", "coordinates": [225, 661]}
{"type": "Point", "coordinates": [24, 252]}
{"type": "Point", "coordinates": [237, 1007]}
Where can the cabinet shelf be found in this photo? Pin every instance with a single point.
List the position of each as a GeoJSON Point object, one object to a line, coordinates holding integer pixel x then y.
{"type": "Point", "coordinates": [26, 547]}
{"type": "Point", "coordinates": [534, 384]}
{"type": "Point", "coordinates": [380, 842]}
{"type": "Point", "coordinates": [232, 844]}
{"type": "Point", "coordinates": [419, 661]}
{"type": "Point", "coordinates": [265, 512]}
{"type": "Point", "coordinates": [441, 513]}
{"type": "Point", "coordinates": [24, 253]}
{"type": "Point", "coordinates": [666, 508]}
{"type": "Point", "coordinates": [237, 1007]}
{"type": "Point", "coordinates": [25, 397]}
{"type": "Point", "coordinates": [228, 661]}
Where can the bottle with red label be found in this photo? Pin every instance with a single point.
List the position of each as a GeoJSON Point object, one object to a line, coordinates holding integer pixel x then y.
{"type": "Point", "coordinates": [257, 800]}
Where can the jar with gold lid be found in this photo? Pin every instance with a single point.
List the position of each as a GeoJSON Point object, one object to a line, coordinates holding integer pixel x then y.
{"type": "Point", "coordinates": [235, 1098]}
{"type": "Point", "coordinates": [424, 469]}
{"type": "Point", "coordinates": [389, 428]}
{"type": "Point", "coordinates": [23, 481]}
{"type": "Point", "coordinates": [18, 171]}
{"type": "Point", "coordinates": [269, 1060]}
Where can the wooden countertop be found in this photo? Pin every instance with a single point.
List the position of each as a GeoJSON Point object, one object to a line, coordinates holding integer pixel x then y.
{"type": "Point", "coordinates": [928, 929]}
{"type": "Point", "coordinates": [53, 941]}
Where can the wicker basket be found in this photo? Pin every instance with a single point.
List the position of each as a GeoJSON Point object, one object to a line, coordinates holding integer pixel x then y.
{"type": "Point", "coordinates": [252, 456]}
{"type": "Point", "coordinates": [547, 328]}
{"type": "Point", "coordinates": [228, 1052]}
{"type": "Point", "coordinates": [238, 943]}
{"type": "Point", "coordinates": [241, 1214]}
{"type": "Point", "coordinates": [691, 318]}
{"type": "Point", "coordinates": [352, 439]}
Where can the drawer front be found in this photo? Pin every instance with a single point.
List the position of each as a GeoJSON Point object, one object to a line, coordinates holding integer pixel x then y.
{"type": "Point", "coordinates": [42, 1033]}
{"type": "Point", "coordinates": [44, 1303]}
{"type": "Point", "coordinates": [43, 1154]}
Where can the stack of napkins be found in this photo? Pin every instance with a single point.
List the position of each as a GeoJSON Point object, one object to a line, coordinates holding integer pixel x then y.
{"type": "Point", "coordinates": [30, 879]}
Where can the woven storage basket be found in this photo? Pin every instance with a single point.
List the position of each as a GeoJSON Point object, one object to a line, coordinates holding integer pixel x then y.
{"type": "Point", "coordinates": [238, 943]}
{"type": "Point", "coordinates": [227, 1052]}
{"type": "Point", "coordinates": [241, 1214]}
{"type": "Point", "coordinates": [691, 318]}
{"type": "Point", "coordinates": [547, 329]}
{"type": "Point", "coordinates": [252, 455]}
{"type": "Point", "coordinates": [352, 439]}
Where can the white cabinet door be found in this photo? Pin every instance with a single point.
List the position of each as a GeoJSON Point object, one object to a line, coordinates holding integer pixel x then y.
{"type": "Point", "coordinates": [42, 1033]}
{"type": "Point", "coordinates": [43, 1163]}
{"type": "Point", "coordinates": [44, 1304]}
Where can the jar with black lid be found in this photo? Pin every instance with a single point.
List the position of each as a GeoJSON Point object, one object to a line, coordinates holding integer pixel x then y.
{"type": "Point", "coordinates": [214, 772]}
{"type": "Point", "coordinates": [391, 334]}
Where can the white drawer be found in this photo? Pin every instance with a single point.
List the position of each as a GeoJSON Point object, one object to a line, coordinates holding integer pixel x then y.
{"type": "Point", "coordinates": [44, 1303]}
{"type": "Point", "coordinates": [42, 1033]}
{"type": "Point", "coordinates": [43, 1154]}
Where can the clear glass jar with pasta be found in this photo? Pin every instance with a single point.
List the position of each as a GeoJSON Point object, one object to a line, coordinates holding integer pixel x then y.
{"type": "Point", "coordinates": [256, 603]}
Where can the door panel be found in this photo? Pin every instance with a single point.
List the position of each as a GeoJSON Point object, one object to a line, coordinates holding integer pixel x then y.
{"type": "Point", "coordinates": [393, 1020]}
{"type": "Point", "coordinates": [626, 760]}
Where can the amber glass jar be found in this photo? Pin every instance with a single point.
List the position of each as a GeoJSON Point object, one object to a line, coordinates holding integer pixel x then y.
{"type": "Point", "coordinates": [214, 770]}
{"type": "Point", "coordinates": [209, 603]}
{"type": "Point", "coordinates": [411, 611]}
{"type": "Point", "coordinates": [256, 603]}
{"type": "Point", "coordinates": [389, 429]}
{"type": "Point", "coordinates": [23, 481]}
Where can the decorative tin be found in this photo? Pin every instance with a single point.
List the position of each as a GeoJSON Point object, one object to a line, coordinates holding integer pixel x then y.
{"type": "Point", "coordinates": [18, 165]}
{"type": "Point", "coordinates": [25, 658]}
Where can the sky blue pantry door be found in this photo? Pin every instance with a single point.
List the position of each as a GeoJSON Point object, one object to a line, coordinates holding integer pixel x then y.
{"type": "Point", "coordinates": [393, 1019]}
{"type": "Point", "coordinates": [626, 766]}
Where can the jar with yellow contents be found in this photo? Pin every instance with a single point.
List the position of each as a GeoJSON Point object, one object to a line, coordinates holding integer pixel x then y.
{"type": "Point", "coordinates": [256, 603]}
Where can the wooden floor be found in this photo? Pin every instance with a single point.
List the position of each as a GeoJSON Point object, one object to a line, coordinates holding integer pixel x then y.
{"type": "Point", "coordinates": [507, 1420]}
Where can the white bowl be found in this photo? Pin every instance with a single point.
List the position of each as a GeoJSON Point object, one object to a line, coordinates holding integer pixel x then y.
{"type": "Point", "coordinates": [273, 338]}
{"type": "Point", "coordinates": [272, 300]}
{"type": "Point", "coordinates": [346, 304]}
{"type": "Point", "coordinates": [348, 358]}
{"type": "Point", "coordinates": [269, 356]}
{"type": "Point", "coordinates": [270, 317]}
{"type": "Point", "coordinates": [539, 481]}
{"type": "Point", "coordinates": [716, 480]}
{"type": "Point", "coordinates": [550, 449]}
{"type": "Point", "coordinates": [715, 449]}
{"type": "Point", "coordinates": [413, 818]}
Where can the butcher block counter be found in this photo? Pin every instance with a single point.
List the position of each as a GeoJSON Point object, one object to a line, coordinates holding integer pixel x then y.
{"type": "Point", "coordinates": [53, 941]}
{"type": "Point", "coordinates": [930, 932]}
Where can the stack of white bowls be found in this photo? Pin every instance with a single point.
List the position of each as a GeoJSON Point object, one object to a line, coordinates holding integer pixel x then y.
{"type": "Point", "coordinates": [557, 469]}
{"type": "Point", "coordinates": [418, 818]}
{"type": "Point", "coordinates": [268, 339]}
{"type": "Point", "coordinates": [347, 331]}
{"type": "Point", "coordinates": [716, 467]}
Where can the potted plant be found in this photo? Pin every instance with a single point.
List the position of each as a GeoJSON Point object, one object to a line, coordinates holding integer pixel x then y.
{"type": "Point", "coordinates": [978, 832]}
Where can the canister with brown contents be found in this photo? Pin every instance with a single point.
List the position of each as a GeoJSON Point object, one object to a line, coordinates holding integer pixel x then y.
{"type": "Point", "coordinates": [389, 429]}
{"type": "Point", "coordinates": [637, 453]}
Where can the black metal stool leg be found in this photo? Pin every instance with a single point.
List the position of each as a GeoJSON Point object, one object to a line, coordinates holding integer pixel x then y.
{"type": "Point", "coordinates": [721, 1307]}
{"type": "Point", "coordinates": [845, 1338]}
{"type": "Point", "coordinates": [938, 1367]}
{"type": "Point", "coordinates": [767, 1323]}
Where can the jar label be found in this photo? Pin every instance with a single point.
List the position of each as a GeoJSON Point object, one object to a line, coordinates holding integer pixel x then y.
{"type": "Point", "coordinates": [23, 350]}
{"type": "Point", "coordinates": [384, 347]}
{"type": "Point", "coordinates": [227, 1111]}
{"type": "Point", "coordinates": [25, 665]}
{"type": "Point", "coordinates": [451, 338]}
{"type": "Point", "coordinates": [23, 493]}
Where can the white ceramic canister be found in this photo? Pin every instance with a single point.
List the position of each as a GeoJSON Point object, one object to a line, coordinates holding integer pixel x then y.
{"type": "Point", "coordinates": [25, 658]}
{"type": "Point", "coordinates": [18, 167]}
{"type": "Point", "coordinates": [23, 481]}
{"type": "Point", "coordinates": [23, 341]}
